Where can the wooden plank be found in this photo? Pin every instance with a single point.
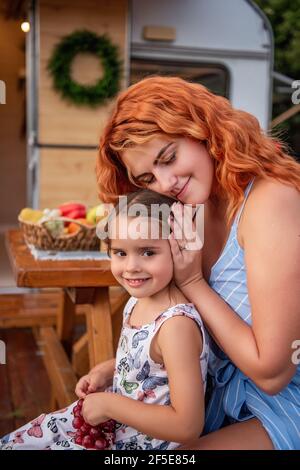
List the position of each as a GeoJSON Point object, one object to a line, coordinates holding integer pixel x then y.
{"type": "Point", "coordinates": [99, 328]}
{"type": "Point", "coordinates": [80, 356]}
{"type": "Point", "coordinates": [74, 170]}
{"type": "Point", "coordinates": [29, 384]}
{"type": "Point", "coordinates": [29, 310]}
{"type": "Point", "coordinates": [66, 322]}
{"type": "Point", "coordinates": [80, 359]}
{"type": "Point", "coordinates": [34, 309]}
{"type": "Point", "coordinates": [6, 405]}
{"type": "Point", "coordinates": [29, 272]}
{"type": "Point", "coordinates": [60, 372]}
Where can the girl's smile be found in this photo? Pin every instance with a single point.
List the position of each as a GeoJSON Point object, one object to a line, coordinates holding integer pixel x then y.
{"type": "Point", "coordinates": [136, 282]}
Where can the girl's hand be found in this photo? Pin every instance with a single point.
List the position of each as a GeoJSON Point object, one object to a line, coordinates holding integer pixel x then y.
{"type": "Point", "coordinates": [97, 380]}
{"type": "Point", "coordinates": [186, 246]}
{"type": "Point", "coordinates": [94, 381]}
{"type": "Point", "coordinates": [94, 408]}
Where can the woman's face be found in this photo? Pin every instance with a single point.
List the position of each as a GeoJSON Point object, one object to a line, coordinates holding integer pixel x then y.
{"type": "Point", "coordinates": [179, 168]}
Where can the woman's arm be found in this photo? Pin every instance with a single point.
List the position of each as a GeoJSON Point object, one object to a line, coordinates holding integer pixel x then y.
{"type": "Point", "coordinates": [271, 241]}
{"type": "Point", "coordinates": [180, 342]}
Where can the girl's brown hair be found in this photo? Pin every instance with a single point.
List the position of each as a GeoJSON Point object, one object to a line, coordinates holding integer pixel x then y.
{"type": "Point", "coordinates": [148, 199]}
{"type": "Point", "coordinates": [174, 107]}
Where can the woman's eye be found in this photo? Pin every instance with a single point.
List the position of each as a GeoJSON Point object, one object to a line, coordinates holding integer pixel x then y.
{"type": "Point", "coordinates": [171, 159]}
{"type": "Point", "coordinates": [149, 180]}
{"type": "Point", "coordinates": [149, 253]}
{"type": "Point", "coordinates": [146, 181]}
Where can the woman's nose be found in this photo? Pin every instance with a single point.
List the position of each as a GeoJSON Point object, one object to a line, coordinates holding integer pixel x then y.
{"type": "Point", "coordinates": [166, 181]}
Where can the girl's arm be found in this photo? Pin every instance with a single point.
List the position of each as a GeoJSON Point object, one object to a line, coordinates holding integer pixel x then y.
{"type": "Point", "coordinates": [180, 342]}
{"type": "Point", "coordinates": [271, 242]}
{"type": "Point", "coordinates": [106, 367]}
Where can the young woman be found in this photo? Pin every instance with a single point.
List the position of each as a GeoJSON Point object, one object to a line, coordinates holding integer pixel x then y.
{"type": "Point", "coordinates": [180, 140]}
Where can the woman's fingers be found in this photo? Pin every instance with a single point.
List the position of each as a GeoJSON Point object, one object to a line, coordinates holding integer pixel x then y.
{"type": "Point", "coordinates": [185, 229]}
{"type": "Point", "coordinates": [176, 252]}
{"type": "Point", "coordinates": [175, 223]}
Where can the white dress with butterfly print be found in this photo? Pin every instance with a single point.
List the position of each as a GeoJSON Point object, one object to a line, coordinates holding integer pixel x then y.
{"type": "Point", "coordinates": [138, 377]}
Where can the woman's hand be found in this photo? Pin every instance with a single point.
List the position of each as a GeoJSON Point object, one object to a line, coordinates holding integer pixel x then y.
{"type": "Point", "coordinates": [97, 380]}
{"type": "Point", "coordinates": [186, 246]}
{"type": "Point", "coordinates": [94, 408]}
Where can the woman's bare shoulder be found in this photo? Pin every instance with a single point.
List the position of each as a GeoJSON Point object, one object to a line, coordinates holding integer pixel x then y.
{"type": "Point", "coordinates": [271, 190]}
{"type": "Point", "coordinates": [268, 202]}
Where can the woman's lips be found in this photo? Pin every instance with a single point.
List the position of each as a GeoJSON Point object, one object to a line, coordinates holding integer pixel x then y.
{"type": "Point", "coordinates": [183, 189]}
{"type": "Point", "coordinates": [136, 282]}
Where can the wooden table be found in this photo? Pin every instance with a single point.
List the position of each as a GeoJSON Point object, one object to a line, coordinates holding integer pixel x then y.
{"type": "Point", "coordinates": [83, 282]}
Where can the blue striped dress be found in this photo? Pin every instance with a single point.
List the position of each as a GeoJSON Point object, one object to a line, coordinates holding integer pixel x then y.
{"type": "Point", "coordinates": [234, 395]}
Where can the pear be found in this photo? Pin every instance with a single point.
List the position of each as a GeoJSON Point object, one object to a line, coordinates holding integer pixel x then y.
{"type": "Point", "coordinates": [95, 214]}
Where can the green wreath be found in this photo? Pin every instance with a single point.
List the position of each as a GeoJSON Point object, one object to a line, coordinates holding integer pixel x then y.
{"type": "Point", "coordinates": [59, 67]}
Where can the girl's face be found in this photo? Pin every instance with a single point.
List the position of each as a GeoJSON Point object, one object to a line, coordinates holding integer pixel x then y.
{"type": "Point", "coordinates": [179, 168]}
{"type": "Point", "coordinates": [143, 266]}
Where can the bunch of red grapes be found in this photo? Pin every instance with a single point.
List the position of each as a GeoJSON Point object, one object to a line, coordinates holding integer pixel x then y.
{"type": "Point", "coordinates": [98, 437]}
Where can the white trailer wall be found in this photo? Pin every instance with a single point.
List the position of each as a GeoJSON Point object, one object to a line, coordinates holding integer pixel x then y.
{"type": "Point", "coordinates": [232, 33]}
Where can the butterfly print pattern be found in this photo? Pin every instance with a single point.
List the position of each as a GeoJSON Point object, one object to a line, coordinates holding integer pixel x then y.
{"type": "Point", "coordinates": [136, 376]}
{"type": "Point", "coordinates": [139, 377]}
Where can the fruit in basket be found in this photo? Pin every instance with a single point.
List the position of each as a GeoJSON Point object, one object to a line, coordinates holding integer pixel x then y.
{"type": "Point", "coordinates": [73, 227]}
{"type": "Point", "coordinates": [95, 214]}
{"type": "Point", "coordinates": [55, 227]}
{"type": "Point", "coordinates": [98, 437]}
{"type": "Point", "coordinates": [49, 214]}
{"type": "Point", "coordinates": [30, 215]}
{"type": "Point", "coordinates": [77, 214]}
{"type": "Point", "coordinates": [72, 210]}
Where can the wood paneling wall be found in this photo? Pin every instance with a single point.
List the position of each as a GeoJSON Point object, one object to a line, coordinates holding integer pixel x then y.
{"type": "Point", "coordinates": [69, 174]}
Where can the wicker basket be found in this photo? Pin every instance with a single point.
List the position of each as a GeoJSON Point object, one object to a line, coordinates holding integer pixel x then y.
{"type": "Point", "coordinates": [41, 238]}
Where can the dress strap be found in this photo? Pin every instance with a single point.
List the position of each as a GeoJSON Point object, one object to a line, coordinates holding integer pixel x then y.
{"type": "Point", "coordinates": [246, 194]}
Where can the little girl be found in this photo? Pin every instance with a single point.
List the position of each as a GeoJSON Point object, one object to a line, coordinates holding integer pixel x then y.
{"type": "Point", "coordinates": [159, 375]}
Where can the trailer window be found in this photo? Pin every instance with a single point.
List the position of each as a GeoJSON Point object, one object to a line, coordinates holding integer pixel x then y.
{"type": "Point", "coordinates": [214, 77]}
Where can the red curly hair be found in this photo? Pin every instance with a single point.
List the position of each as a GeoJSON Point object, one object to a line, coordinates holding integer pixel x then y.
{"type": "Point", "coordinates": [174, 107]}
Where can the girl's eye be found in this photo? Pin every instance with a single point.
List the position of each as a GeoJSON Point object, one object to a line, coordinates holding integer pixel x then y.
{"type": "Point", "coordinates": [119, 253]}
{"type": "Point", "coordinates": [150, 252]}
